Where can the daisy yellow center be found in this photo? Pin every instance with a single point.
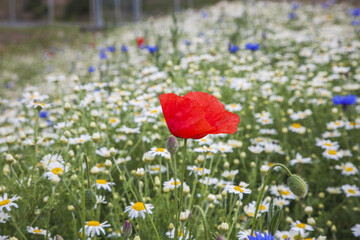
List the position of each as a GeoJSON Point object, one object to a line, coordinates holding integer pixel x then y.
{"type": "Point", "coordinates": [296, 125]}
{"type": "Point", "coordinates": [180, 233]}
{"type": "Point", "coordinates": [138, 206]}
{"type": "Point", "coordinates": [160, 150]}
{"type": "Point", "coordinates": [81, 140]}
{"type": "Point", "coordinates": [112, 120]}
{"type": "Point", "coordinates": [332, 152]}
{"type": "Point", "coordinates": [177, 183]}
{"type": "Point", "coordinates": [93, 224]}
{"type": "Point", "coordinates": [100, 181]}
{"type": "Point", "coordinates": [349, 169]}
{"type": "Point", "coordinates": [153, 111]}
{"type": "Point", "coordinates": [286, 192]}
{"type": "Point", "coordinates": [239, 189]}
{"type": "Point", "coordinates": [4, 202]}
{"type": "Point", "coordinates": [198, 169]}
{"type": "Point", "coordinates": [265, 120]}
{"type": "Point", "coordinates": [156, 169]}
{"type": "Point", "coordinates": [270, 164]}
{"type": "Point", "coordinates": [56, 170]}
{"type": "Point", "coordinates": [337, 123]}
{"type": "Point", "coordinates": [349, 191]}
{"type": "Point", "coordinates": [99, 165]}
{"type": "Point", "coordinates": [37, 231]}
{"type": "Point", "coordinates": [328, 144]}
{"type": "Point", "coordinates": [301, 225]}
{"type": "Point", "coordinates": [251, 214]}
{"type": "Point", "coordinates": [262, 207]}
{"type": "Point", "coordinates": [285, 236]}
{"type": "Point", "coordinates": [353, 124]}
{"type": "Point", "coordinates": [233, 105]}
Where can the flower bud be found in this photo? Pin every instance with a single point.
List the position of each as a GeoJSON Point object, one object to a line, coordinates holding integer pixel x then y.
{"type": "Point", "coordinates": [94, 170]}
{"type": "Point", "coordinates": [137, 238]}
{"type": "Point", "coordinates": [220, 237]}
{"type": "Point", "coordinates": [90, 199]}
{"type": "Point", "coordinates": [297, 185]}
{"type": "Point", "coordinates": [308, 209]}
{"type": "Point", "coordinates": [126, 229]}
{"type": "Point", "coordinates": [67, 107]}
{"type": "Point", "coordinates": [108, 163]}
{"type": "Point", "coordinates": [224, 227]}
{"type": "Point", "coordinates": [71, 208]}
{"type": "Point", "coordinates": [9, 158]}
{"type": "Point", "coordinates": [172, 145]}
{"type": "Point", "coordinates": [58, 237]}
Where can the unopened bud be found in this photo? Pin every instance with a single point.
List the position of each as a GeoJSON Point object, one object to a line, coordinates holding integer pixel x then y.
{"type": "Point", "coordinates": [126, 229]}
{"type": "Point", "coordinates": [172, 145]}
{"type": "Point", "coordinates": [58, 237]}
{"type": "Point", "coordinates": [297, 185]}
{"type": "Point", "coordinates": [90, 199]}
{"type": "Point", "coordinates": [67, 107]}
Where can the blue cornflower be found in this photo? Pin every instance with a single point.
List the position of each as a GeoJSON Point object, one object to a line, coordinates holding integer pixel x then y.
{"type": "Point", "coordinates": [91, 69]}
{"type": "Point", "coordinates": [43, 114]}
{"type": "Point", "coordinates": [252, 46]}
{"type": "Point", "coordinates": [49, 122]}
{"type": "Point", "coordinates": [111, 48]}
{"type": "Point", "coordinates": [292, 15]}
{"type": "Point", "coordinates": [124, 48]}
{"type": "Point", "coordinates": [204, 14]}
{"type": "Point", "coordinates": [259, 236]}
{"type": "Point", "coordinates": [354, 23]}
{"type": "Point", "coordinates": [344, 100]}
{"type": "Point", "coordinates": [187, 42]}
{"type": "Point", "coordinates": [233, 48]}
{"type": "Point", "coordinates": [103, 55]}
{"type": "Point", "coordinates": [355, 12]}
{"type": "Point", "coordinates": [295, 6]}
{"type": "Point", "coordinates": [152, 49]}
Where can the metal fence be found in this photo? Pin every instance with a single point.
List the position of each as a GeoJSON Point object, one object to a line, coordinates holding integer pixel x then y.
{"type": "Point", "coordinates": [98, 12]}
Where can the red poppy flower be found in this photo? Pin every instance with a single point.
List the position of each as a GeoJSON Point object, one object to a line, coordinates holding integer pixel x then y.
{"type": "Point", "coordinates": [140, 41]}
{"type": "Point", "coordinates": [196, 115]}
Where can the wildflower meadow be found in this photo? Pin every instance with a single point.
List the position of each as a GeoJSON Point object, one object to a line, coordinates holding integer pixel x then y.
{"type": "Point", "coordinates": [238, 121]}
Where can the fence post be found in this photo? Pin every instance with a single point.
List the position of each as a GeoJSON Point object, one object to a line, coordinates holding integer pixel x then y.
{"type": "Point", "coordinates": [177, 5]}
{"type": "Point", "coordinates": [99, 22]}
{"type": "Point", "coordinates": [51, 11]}
{"type": "Point", "coordinates": [117, 9]}
{"type": "Point", "coordinates": [12, 11]}
{"type": "Point", "coordinates": [137, 8]}
{"type": "Point", "coordinates": [190, 3]}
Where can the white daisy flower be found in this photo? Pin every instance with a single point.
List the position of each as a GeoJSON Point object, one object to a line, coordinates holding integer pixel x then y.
{"type": "Point", "coordinates": [55, 170]}
{"type": "Point", "coordinates": [38, 105]}
{"type": "Point", "coordinates": [101, 183]}
{"type": "Point", "coordinates": [103, 152]}
{"type": "Point", "coordinates": [333, 154]}
{"type": "Point", "coordinates": [299, 159]}
{"type": "Point", "coordinates": [162, 152]}
{"type": "Point", "coordinates": [3, 237]}
{"type": "Point", "coordinates": [298, 226]}
{"type": "Point", "coordinates": [280, 202]}
{"type": "Point", "coordinates": [198, 170]}
{"type": "Point", "coordinates": [100, 200]}
{"type": "Point", "coordinates": [351, 190]}
{"type": "Point", "coordinates": [138, 209]}
{"type": "Point", "coordinates": [282, 191]}
{"type": "Point", "coordinates": [256, 149]}
{"type": "Point", "coordinates": [94, 227]}
{"type": "Point", "coordinates": [230, 174]}
{"type": "Point", "coordinates": [297, 128]}
{"type": "Point", "coordinates": [155, 169]}
{"type": "Point", "coordinates": [181, 234]}
{"type": "Point", "coordinates": [233, 107]}
{"type": "Point", "coordinates": [327, 144]}
{"type": "Point", "coordinates": [240, 189]}
{"type": "Point", "coordinates": [36, 230]}
{"type": "Point", "coordinates": [356, 230]}
{"type": "Point", "coordinates": [7, 203]}
{"type": "Point", "coordinates": [4, 217]}
{"type": "Point", "coordinates": [347, 168]}
{"type": "Point", "coordinates": [333, 190]}
{"type": "Point", "coordinates": [171, 184]}
{"type": "Point", "coordinates": [335, 124]}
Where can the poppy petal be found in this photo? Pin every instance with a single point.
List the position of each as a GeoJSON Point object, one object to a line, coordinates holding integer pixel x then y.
{"type": "Point", "coordinates": [185, 117]}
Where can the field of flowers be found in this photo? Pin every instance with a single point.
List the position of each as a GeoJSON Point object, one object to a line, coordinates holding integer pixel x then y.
{"type": "Point", "coordinates": [239, 121]}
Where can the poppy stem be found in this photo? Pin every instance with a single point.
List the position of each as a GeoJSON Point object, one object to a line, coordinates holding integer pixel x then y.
{"type": "Point", "coordinates": [263, 189]}
{"type": "Point", "coordinates": [181, 189]}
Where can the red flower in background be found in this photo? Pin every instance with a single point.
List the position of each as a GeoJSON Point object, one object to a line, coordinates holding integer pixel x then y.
{"type": "Point", "coordinates": [196, 115]}
{"type": "Point", "coordinates": [140, 41]}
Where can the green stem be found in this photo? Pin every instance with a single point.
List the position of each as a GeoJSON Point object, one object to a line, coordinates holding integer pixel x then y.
{"type": "Point", "coordinates": [263, 189]}
{"type": "Point", "coordinates": [152, 223]}
{"type": "Point", "coordinates": [204, 221]}
{"type": "Point", "coordinates": [236, 217]}
{"type": "Point", "coordinates": [17, 228]}
{"type": "Point", "coordinates": [36, 135]}
{"type": "Point", "coordinates": [181, 188]}
{"type": "Point", "coordinates": [82, 197]}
